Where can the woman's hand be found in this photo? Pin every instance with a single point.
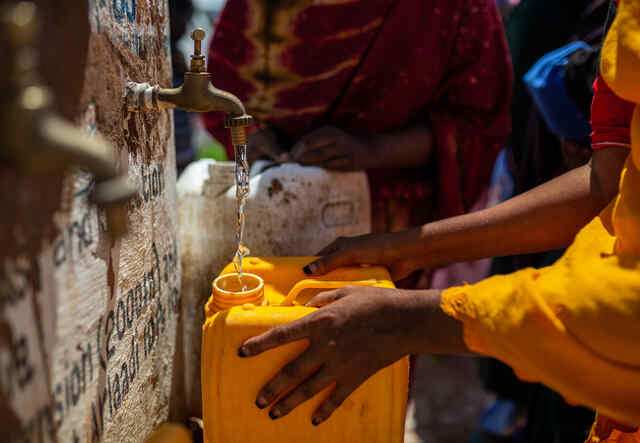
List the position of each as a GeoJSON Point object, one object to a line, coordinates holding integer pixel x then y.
{"type": "Point", "coordinates": [332, 148]}
{"type": "Point", "coordinates": [263, 143]}
{"type": "Point", "coordinates": [363, 330]}
{"type": "Point", "coordinates": [393, 250]}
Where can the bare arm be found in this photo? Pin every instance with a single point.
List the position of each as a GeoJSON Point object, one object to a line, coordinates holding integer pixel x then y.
{"type": "Point", "coordinates": [402, 149]}
{"type": "Point", "coordinates": [398, 322]}
{"type": "Point", "coordinates": [547, 217]}
{"type": "Point", "coordinates": [406, 322]}
{"type": "Point", "coordinates": [332, 148]}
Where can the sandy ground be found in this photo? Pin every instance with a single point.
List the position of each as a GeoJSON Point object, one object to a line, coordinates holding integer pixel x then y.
{"type": "Point", "coordinates": [446, 402]}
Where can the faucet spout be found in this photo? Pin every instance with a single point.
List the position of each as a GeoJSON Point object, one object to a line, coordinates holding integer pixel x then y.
{"type": "Point", "coordinates": [56, 144]}
{"type": "Point", "coordinates": [36, 139]}
{"type": "Point", "coordinates": [197, 94]}
{"type": "Point", "coordinates": [65, 145]}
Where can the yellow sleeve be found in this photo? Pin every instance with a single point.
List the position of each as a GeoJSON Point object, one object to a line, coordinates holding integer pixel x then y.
{"type": "Point", "coordinates": [574, 326]}
{"type": "Point", "coordinates": [620, 59]}
{"type": "Point", "coordinates": [620, 62]}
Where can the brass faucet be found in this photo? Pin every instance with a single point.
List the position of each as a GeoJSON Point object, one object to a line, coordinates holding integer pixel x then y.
{"type": "Point", "coordinates": [196, 94]}
{"type": "Point", "coordinates": [35, 139]}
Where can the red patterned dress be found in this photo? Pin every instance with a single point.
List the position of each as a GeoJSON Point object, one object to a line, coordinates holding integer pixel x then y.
{"type": "Point", "coordinates": [372, 66]}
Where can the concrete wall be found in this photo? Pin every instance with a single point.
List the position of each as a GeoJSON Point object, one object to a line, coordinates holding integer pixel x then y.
{"type": "Point", "coordinates": [87, 323]}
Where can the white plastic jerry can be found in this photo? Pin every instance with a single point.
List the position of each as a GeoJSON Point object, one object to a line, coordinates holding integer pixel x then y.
{"type": "Point", "coordinates": [291, 210]}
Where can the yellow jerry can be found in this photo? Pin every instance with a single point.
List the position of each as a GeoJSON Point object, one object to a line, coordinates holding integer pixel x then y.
{"type": "Point", "coordinates": [170, 433]}
{"type": "Point", "coordinates": [275, 291]}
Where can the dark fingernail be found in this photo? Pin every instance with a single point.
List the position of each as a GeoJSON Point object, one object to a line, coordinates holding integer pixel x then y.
{"type": "Point", "coordinates": [242, 352]}
{"type": "Point", "coordinates": [310, 269]}
{"type": "Point", "coordinates": [261, 402]}
{"type": "Point", "coordinates": [316, 421]}
{"type": "Point", "coordinates": [275, 413]}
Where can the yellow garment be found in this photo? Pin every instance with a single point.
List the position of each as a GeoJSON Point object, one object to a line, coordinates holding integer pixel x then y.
{"type": "Point", "coordinates": [575, 326]}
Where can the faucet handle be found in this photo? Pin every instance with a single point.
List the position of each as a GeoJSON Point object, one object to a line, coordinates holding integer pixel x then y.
{"type": "Point", "coordinates": [197, 59]}
{"type": "Point", "coordinates": [197, 35]}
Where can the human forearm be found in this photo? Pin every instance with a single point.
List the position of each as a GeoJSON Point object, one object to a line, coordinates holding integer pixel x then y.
{"type": "Point", "coordinates": [547, 217]}
{"type": "Point", "coordinates": [333, 148]}
{"type": "Point", "coordinates": [419, 321]}
{"type": "Point", "coordinates": [407, 148]}
{"type": "Point", "coordinates": [397, 322]}
{"type": "Point", "coordinates": [429, 330]}
{"type": "Point", "coordinates": [544, 218]}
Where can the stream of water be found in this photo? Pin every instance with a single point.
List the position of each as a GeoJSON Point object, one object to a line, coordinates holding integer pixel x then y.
{"type": "Point", "coordinates": [242, 190]}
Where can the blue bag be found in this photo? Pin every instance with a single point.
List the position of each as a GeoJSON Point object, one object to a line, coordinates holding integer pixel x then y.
{"type": "Point", "coordinates": [545, 82]}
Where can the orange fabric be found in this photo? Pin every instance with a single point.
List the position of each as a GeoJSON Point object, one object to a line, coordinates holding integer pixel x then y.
{"type": "Point", "coordinates": [574, 326]}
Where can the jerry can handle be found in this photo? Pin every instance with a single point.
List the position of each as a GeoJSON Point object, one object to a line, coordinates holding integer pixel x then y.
{"type": "Point", "coordinates": [322, 284]}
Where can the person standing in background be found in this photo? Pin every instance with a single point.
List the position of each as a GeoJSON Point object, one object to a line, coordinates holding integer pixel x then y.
{"type": "Point", "coordinates": [415, 92]}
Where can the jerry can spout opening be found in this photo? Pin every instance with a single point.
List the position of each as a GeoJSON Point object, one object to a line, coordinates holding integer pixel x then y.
{"type": "Point", "coordinates": [231, 290]}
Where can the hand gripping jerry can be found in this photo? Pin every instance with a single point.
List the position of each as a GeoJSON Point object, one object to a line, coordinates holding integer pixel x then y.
{"type": "Point", "coordinates": [276, 289]}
